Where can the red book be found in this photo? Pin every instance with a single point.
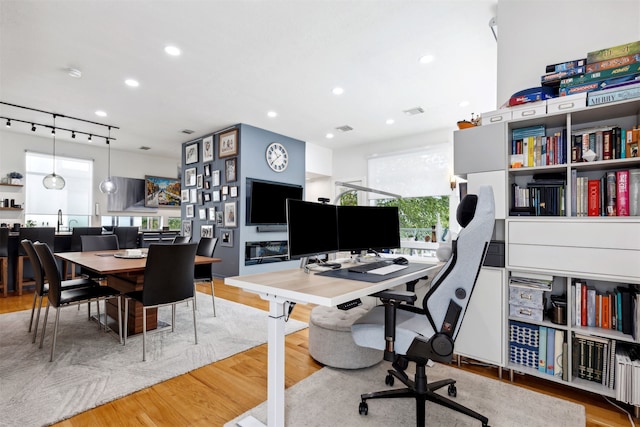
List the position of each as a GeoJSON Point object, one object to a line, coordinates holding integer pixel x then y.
{"type": "Point", "coordinates": [622, 193]}
{"type": "Point", "coordinates": [594, 197]}
{"type": "Point", "coordinates": [583, 309]}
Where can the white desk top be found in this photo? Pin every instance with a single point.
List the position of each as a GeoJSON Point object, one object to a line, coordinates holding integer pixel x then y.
{"type": "Point", "coordinates": [298, 286]}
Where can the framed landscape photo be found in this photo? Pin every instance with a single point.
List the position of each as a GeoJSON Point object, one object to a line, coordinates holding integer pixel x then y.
{"type": "Point", "coordinates": [162, 192]}
{"type": "Point", "coordinates": [228, 144]}
{"type": "Point", "coordinates": [190, 177]}
{"type": "Point", "coordinates": [226, 238]}
{"type": "Point", "coordinates": [230, 214]}
{"type": "Point", "coordinates": [191, 154]}
{"type": "Point", "coordinates": [207, 149]}
{"type": "Point", "coordinates": [230, 169]}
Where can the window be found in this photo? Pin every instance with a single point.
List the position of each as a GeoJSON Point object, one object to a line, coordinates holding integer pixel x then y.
{"type": "Point", "coordinates": [74, 200]}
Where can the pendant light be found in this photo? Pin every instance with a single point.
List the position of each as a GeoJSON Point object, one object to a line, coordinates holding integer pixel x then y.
{"type": "Point", "coordinates": [53, 181]}
{"type": "Point", "coordinates": [107, 186]}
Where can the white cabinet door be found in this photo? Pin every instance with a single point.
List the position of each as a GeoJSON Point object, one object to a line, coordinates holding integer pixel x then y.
{"type": "Point", "coordinates": [480, 336]}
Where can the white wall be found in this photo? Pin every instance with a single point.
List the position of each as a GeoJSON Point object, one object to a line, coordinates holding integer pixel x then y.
{"type": "Point", "coordinates": [127, 164]}
{"type": "Point", "coordinates": [533, 34]}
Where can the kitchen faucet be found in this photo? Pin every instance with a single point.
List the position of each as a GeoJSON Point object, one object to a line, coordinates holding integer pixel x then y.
{"type": "Point", "coordinates": [59, 219]}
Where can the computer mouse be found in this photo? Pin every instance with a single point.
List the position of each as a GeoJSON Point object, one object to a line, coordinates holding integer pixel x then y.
{"type": "Point", "coordinates": [401, 261]}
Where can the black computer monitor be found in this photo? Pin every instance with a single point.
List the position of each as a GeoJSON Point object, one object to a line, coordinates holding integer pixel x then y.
{"type": "Point", "coordinates": [362, 228]}
{"type": "Point", "coordinates": [312, 228]}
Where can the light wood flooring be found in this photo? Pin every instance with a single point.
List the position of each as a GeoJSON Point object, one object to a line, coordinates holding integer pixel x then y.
{"type": "Point", "coordinates": [216, 393]}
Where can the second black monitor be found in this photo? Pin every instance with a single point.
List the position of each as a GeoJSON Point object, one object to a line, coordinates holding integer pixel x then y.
{"type": "Point", "coordinates": [362, 228]}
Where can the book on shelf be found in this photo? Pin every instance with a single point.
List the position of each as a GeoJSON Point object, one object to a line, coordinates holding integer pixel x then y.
{"type": "Point", "coordinates": [567, 65]}
{"type": "Point", "coordinates": [577, 292]}
{"type": "Point", "coordinates": [598, 85]}
{"type": "Point", "coordinates": [542, 349]}
{"type": "Point", "coordinates": [622, 193]}
{"type": "Point", "coordinates": [612, 194]}
{"type": "Point", "coordinates": [551, 343]}
{"type": "Point", "coordinates": [611, 63]}
{"type": "Point", "coordinates": [591, 306]}
{"type": "Point", "coordinates": [594, 197]}
{"type": "Point", "coordinates": [556, 76]}
{"type": "Point", "coordinates": [531, 280]}
{"type": "Point", "coordinates": [592, 358]}
{"type": "Point", "coordinates": [621, 93]}
{"type": "Point", "coordinates": [558, 355]}
{"type": "Point", "coordinates": [634, 192]}
{"type": "Point", "coordinates": [613, 52]}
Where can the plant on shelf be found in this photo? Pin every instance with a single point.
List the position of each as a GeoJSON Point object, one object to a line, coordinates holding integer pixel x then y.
{"type": "Point", "coordinates": [15, 178]}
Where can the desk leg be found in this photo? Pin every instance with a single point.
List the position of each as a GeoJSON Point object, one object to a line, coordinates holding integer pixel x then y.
{"type": "Point", "coordinates": [275, 379]}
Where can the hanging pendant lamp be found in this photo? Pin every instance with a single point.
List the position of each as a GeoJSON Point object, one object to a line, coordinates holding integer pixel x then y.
{"type": "Point", "coordinates": [107, 186]}
{"type": "Point", "coordinates": [53, 181]}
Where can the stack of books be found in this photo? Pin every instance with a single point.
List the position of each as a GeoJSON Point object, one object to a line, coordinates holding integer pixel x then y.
{"type": "Point", "coordinates": [615, 194]}
{"type": "Point", "coordinates": [605, 143]}
{"type": "Point", "coordinates": [531, 147]}
{"type": "Point", "coordinates": [616, 309]}
{"type": "Point", "coordinates": [594, 359]}
{"type": "Point", "coordinates": [627, 367]}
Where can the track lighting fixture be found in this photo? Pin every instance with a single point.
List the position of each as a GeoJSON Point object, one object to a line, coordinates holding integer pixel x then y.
{"type": "Point", "coordinates": [33, 127]}
{"type": "Point", "coordinates": [8, 123]}
{"type": "Point", "coordinates": [53, 181]}
{"type": "Point", "coordinates": [107, 186]}
{"type": "Point", "coordinates": [89, 138]}
{"type": "Point", "coordinates": [73, 134]}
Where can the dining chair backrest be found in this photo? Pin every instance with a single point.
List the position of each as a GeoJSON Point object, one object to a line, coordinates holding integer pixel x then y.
{"type": "Point", "coordinates": [182, 239]}
{"type": "Point", "coordinates": [127, 237]}
{"type": "Point", "coordinates": [206, 247]}
{"type": "Point", "coordinates": [36, 234]}
{"type": "Point", "coordinates": [168, 275]}
{"type": "Point", "coordinates": [51, 272]}
{"type": "Point", "coordinates": [38, 273]}
{"type": "Point", "coordinates": [78, 232]}
{"type": "Point", "coordinates": [99, 243]}
{"type": "Point", "coordinates": [4, 241]}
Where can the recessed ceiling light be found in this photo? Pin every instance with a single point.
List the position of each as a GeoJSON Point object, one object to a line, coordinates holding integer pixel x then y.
{"type": "Point", "coordinates": [426, 59]}
{"type": "Point", "coordinates": [464, 103]}
{"type": "Point", "coordinates": [272, 114]}
{"type": "Point", "coordinates": [101, 113]}
{"type": "Point", "coordinates": [74, 72]}
{"type": "Point", "coordinates": [390, 121]}
{"type": "Point", "coordinates": [172, 50]}
{"type": "Point", "coordinates": [337, 91]}
{"type": "Point", "coordinates": [132, 83]}
{"type": "Point", "coordinates": [329, 135]}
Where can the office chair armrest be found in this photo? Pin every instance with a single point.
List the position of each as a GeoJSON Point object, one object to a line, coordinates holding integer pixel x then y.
{"type": "Point", "coordinates": [396, 296]}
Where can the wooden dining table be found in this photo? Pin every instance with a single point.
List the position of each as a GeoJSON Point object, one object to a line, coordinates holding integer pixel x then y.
{"type": "Point", "coordinates": [125, 274]}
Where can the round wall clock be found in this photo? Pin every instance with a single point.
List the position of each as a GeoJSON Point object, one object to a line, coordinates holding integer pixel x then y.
{"type": "Point", "coordinates": [277, 157]}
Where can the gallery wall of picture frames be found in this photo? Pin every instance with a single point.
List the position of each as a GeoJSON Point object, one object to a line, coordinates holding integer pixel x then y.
{"type": "Point", "coordinates": [210, 191]}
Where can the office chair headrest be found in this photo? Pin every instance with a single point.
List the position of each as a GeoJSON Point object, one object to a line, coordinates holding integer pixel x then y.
{"type": "Point", "coordinates": [466, 209]}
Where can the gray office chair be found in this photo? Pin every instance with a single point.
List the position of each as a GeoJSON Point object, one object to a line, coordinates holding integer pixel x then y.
{"type": "Point", "coordinates": [168, 280]}
{"type": "Point", "coordinates": [409, 334]}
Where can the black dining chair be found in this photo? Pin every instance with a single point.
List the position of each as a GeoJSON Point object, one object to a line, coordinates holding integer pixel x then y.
{"type": "Point", "coordinates": [35, 234]}
{"type": "Point", "coordinates": [168, 280]}
{"type": "Point", "coordinates": [127, 236]}
{"type": "Point", "coordinates": [42, 287]}
{"type": "Point", "coordinates": [204, 272]}
{"type": "Point", "coordinates": [78, 232]}
{"type": "Point", "coordinates": [58, 298]}
{"type": "Point", "coordinates": [182, 239]}
{"type": "Point", "coordinates": [103, 242]}
{"type": "Point", "coordinates": [4, 260]}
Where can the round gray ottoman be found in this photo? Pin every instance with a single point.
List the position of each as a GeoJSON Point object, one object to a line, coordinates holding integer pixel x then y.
{"type": "Point", "coordinates": [330, 341]}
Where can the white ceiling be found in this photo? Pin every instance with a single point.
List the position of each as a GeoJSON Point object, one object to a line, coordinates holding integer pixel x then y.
{"type": "Point", "coordinates": [241, 59]}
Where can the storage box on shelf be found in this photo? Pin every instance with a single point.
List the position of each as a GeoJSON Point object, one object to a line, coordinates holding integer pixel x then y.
{"type": "Point", "coordinates": [580, 242]}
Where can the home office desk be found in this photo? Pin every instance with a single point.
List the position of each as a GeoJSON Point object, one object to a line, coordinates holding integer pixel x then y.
{"type": "Point", "coordinates": [281, 288]}
{"type": "Point", "coordinates": [123, 274]}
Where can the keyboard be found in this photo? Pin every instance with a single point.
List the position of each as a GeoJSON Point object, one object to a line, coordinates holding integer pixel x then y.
{"type": "Point", "coordinates": [350, 304]}
{"type": "Point", "coordinates": [388, 269]}
{"type": "Point", "coordinates": [365, 268]}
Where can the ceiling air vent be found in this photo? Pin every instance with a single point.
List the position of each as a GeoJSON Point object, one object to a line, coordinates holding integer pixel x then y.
{"type": "Point", "coordinates": [187, 131]}
{"type": "Point", "coordinates": [345, 128]}
{"type": "Point", "coordinates": [414, 111]}
{"type": "Point", "coordinates": [144, 147]}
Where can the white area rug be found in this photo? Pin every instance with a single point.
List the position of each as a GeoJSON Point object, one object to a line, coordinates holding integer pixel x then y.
{"type": "Point", "coordinates": [330, 397]}
{"type": "Point", "coordinates": [91, 367]}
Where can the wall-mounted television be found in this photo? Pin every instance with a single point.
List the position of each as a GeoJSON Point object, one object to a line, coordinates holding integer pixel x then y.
{"type": "Point", "coordinates": [266, 201]}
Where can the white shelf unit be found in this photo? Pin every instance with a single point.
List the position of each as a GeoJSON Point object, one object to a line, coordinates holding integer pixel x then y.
{"type": "Point", "coordinates": [602, 250]}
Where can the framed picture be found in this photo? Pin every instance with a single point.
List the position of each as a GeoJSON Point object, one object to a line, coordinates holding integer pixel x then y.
{"type": "Point", "coordinates": [230, 169]}
{"type": "Point", "coordinates": [189, 211]}
{"type": "Point", "coordinates": [190, 177]}
{"type": "Point", "coordinates": [206, 197]}
{"type": "Point", "coordinates": [186, 228]}
{"type": "Point", "coordinates": [184, 195]}
{"type": "Point", "coordinates": [228, 144]}
{"type": "Point", "coordinates": [233, 191]}
{"type": "Point", "coordinates": [226, 238]}
{"type": "Point", "coordinates": [193, 195]}
{"type": "Point", "coordinates": [206, 231]}
{"type": "Point", "coordinates": [162, 192]}
{"type": "Point", "coordinates": [212, 214]}
{"type": "Point", "coordinates": [230, 214]}
{"type": "Point", "coordinates": [207, 149]}
{"type": "Point", "coordinates": [199, 181]}
{"type": "Point", "coordinates": [191, 154]}
{"type": "Point", "coordinates": [219, 218]}
{"type": "Point", "coordinates": [225, 190]}
{"type": "Point", "coordinates": [215, 196]}
{"type": "Point", "coordinates": [207, 170]}
{"type": "Point", "coordinates": [215, 178]}
{"type": "Point", "coordinates": [202, 214]}
{"type": "Point", "coordinates": [207, 185]}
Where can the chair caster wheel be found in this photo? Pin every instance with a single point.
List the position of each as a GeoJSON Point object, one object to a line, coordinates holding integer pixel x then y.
{"type": "Point", "coordinates": [452, 390]}
{"type": "Point", "coordinates": [389, 380]}
{"type": "Point", "coordinates": [363, 409]}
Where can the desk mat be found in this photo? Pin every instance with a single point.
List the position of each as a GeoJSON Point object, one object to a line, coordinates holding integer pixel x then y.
{"type": "Point", "coordinates": [344, 273]}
